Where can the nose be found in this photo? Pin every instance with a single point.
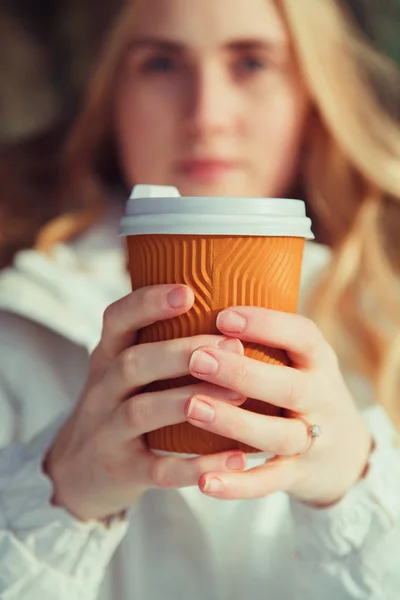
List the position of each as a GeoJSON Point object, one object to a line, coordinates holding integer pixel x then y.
{"type": "Point", "coordinates": [212, 103]}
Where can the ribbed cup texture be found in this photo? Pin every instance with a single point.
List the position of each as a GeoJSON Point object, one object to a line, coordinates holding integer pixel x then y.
{"type": "Point", "coordinates": [222, 271]}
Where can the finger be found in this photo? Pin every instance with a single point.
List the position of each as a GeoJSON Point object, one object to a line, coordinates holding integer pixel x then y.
{"type": "Point", "coordinates": [231, 345]}
{"type": "Point", "coordinates": [141, 308]}
{"type": "Point", "coordinates": [300, 337]}
{"type": "Point", "coordinates": [277, 475]}
{"type": "Point", "coordinates": [282, 386]}
{"type": "Point", "coordinates": [150, 411]}
{"type": "Point", "coordinates": [172, 472]}
{"type": "Point", "coordinates": [143, 364]}
{"type": "Point", "coordinates": [279, 436]}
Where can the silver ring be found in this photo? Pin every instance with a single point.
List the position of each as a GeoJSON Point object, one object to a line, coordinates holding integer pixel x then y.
{"type": "Point", "coordinates": [313, 432]}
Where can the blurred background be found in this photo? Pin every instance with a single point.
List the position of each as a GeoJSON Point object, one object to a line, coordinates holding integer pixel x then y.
{"type": "Point", "coordinates": [47, 53]}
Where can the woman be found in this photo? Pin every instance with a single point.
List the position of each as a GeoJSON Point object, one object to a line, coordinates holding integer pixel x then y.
{"type": "Point", "coordinates": [234, 97]}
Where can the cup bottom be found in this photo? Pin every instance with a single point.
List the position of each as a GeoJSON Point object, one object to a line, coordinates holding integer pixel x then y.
{"type": "Point", "coordinates": [253, 458]}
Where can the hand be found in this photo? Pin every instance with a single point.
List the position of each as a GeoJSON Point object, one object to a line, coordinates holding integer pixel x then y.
{"type": "Point", "coordinates": [312, 388]}
{"type": "Point", "coordinates": [99, 463]}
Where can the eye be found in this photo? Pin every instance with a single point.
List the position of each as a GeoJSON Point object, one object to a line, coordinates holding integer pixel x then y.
{"type": "Point", "coordinates": [160, 64]}
{"type": "Point", "coordinates": [251, 64]}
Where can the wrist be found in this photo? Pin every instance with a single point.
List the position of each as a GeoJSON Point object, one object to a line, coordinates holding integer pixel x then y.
{"type": "Point", "coordinates": [63, 494]}
{"type": "Point", "coordinates": [329, 502]}
{"type": "Point", "coordinates": [57, 498]}
{"type": "Point", "coordinates": [84, 507]}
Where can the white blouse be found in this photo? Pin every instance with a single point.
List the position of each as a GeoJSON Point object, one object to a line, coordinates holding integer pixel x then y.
{"type": "Point", "coordinates": [172, 545]}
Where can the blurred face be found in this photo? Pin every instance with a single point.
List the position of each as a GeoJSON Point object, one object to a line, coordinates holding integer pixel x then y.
{"type": "Point", "coordinates": [210, 99]}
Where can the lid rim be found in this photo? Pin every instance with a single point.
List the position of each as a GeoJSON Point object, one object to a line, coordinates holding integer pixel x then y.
{"type": "Point", "coordinates": [214, 215]}
{"type": "Point", "coordinates": [216, 205]}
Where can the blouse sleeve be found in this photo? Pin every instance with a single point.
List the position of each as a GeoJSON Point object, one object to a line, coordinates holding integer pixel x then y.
{"type": "Point", "coordinates": [46, 554]}
{"type": "Point", "coordinates": [352, 550]}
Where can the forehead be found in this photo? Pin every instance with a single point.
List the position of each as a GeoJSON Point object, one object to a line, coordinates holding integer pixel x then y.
{"type": "Point", "coordinates": [208, 22]}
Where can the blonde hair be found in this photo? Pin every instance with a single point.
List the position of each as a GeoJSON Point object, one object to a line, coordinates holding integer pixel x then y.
{"type": "Point", "coordinates": [351, 181]}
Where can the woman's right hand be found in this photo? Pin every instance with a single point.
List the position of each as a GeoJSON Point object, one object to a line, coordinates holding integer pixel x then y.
{"type": "Point", "coordinates": [99, 463]}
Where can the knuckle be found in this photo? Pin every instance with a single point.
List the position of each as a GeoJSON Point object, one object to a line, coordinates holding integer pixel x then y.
{"type": "Point", "coordinates": [129, 365]}
{"type": "Point", "coordinates": [136, 413]}
{"type": "Point", "coordinates": [297, 389]}
{"type": "Point", "coordinates": [150, 302]}
{"type": "Point", "coordinates": [237, 376]}
{"type": "Point", "coordinates": [314, 337]}
{"type": "Point", "coordinates": [317, 344]}
{"type": "Point", "coordinates": [116, 470]}
{"type": "Point", "coordinates": [144, 299]}
{"type": "Point", "coordinates": [160, 473]}
{"type": "Point", "coordinates": [110, 317]}
{"type": "Point", "coordinates": [284, 445]}
{"type": "Point", "coordinates": [234, 427]}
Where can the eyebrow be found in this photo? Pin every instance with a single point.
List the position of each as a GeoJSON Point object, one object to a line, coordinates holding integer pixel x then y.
{"type": "Point", "coordinates": [179, 47]}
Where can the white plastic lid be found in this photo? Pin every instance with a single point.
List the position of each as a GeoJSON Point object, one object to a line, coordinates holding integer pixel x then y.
{"type": "Point", "coordinates": [161, 210]}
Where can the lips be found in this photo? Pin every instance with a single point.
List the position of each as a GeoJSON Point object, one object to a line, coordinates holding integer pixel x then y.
{"type": "Point", "coordinates": [206, 169]}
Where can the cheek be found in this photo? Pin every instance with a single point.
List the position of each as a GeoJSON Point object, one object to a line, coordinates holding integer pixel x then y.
{"type": "Point", "coordinates": [144, 136]}
{"type": "Point", "coordinates": [279, 127]}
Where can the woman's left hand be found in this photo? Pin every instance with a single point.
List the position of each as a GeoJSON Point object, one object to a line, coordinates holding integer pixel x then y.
{"type": "Point", "coordinates": [312, 388]}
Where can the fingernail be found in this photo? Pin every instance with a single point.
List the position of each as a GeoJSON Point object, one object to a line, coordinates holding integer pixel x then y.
{"type": "Point", "coordinates": [178, 298]}
{"type": "Point", "coordinates": [198, 410]}
{"type": "Point", "coordinates": [231, 321]}
{"type": "Point", "coordinates": [234, 396]}
{"type": "Point", "coordinates": [235, 462]}
{"type": "Point", "coordinates": [231, 345]}
{"type": "Point", "coordinates": [213, 486]}
{"type": "Point", "coordinates": [203, 363]}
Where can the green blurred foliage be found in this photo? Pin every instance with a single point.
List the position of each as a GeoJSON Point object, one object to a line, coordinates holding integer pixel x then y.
{"type": "Point", "coordinates": [380, 19]}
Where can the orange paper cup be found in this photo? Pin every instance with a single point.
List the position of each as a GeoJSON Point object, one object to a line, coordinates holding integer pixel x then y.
{"type": "Point", "coordinates": [249, 258]}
